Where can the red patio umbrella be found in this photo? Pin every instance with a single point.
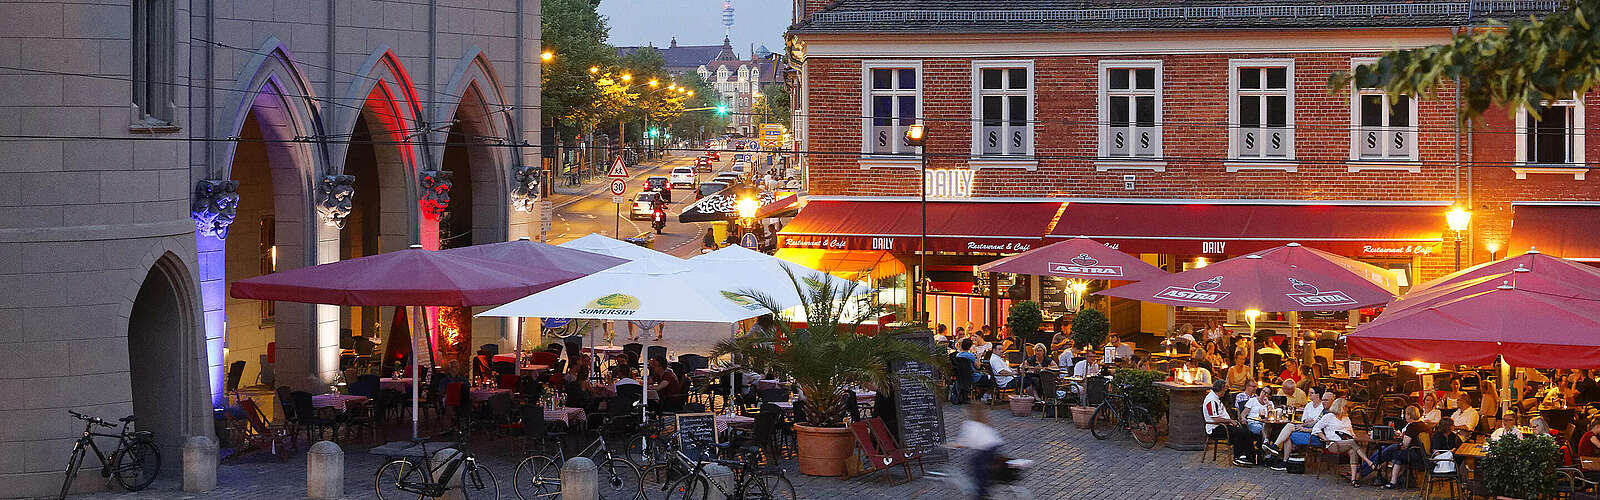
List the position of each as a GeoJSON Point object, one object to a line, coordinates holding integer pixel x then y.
{"type": "Point", "coordinates": [1080, 258]}
{"type": "Point", "coordinates": [1539, 263]}
{"type": "Point", "coordinates": [1531, 319]}
{"type": "Point", "coordinates": [547, 263]}
{"type": "Point", "coordinates": [410, 277]}
{"type": "Point", "coordinates": [1285, 278]}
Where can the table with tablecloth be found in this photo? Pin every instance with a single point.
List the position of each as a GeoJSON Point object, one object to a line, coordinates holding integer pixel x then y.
{"type": "Point", "coordinates": [339, 402]}
{"type": "Point", "coordinates": [484, 393]}
{"type": "Point", "coordinates": [723, 422]}
{"type": "Point", "coordinates": [572, 416]}
{"type": "Point", "coordinates": [395, 384]}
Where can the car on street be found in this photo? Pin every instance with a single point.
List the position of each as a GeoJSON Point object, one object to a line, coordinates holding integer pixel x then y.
{"type": "Point", "coordinates": [643, 205]}
{"type": "Point", "coordinates": [728, 178]}
{"type": "Point", "coordinates": [714, 155]}
{"type": "Point", "coordinates": [740, 168]}
{"type": "Point", "coordinates": [682, 176]}
{"type": "Point", "coordinates": [708, 188]}
{"type": "Point", "coordinates": [659, 184]}
{"type": "Point", "coordinates": [703, 164]}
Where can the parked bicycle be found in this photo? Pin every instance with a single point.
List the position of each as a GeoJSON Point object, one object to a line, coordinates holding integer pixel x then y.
{"type": "Point", "coordinates": [539, 477]}
{"type": "Point", "coordinates": [416, 477]}
{"type": "Point", "coordinates": [750, 480]}
{"type": "Point", "coordinates": [1115, 417]}
{"type": "Point", "coordinates": [134, 463]}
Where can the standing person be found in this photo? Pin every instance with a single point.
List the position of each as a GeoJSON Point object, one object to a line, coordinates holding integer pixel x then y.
{"type": "Point", "coordinates": [1334, 428]}
{"type": "Point", "coordinates": [635, 327]}
{"type": "Point", "coordinates": [976, 434]}
{"type": "Point", "coordinates": [1062, 340]}
{"type": "Point", "coordinates": [1219, 424]}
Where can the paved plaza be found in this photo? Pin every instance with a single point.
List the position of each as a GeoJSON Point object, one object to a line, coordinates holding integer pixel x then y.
{"type": "Point", "coordinates": [1071, 464]}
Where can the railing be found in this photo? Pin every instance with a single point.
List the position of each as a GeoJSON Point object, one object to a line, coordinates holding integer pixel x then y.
{"type": "Point", "coordinates": [1464, 9]}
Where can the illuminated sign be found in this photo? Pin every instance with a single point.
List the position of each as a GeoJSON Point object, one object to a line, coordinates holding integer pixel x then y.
{"type": "Point", "coordinates": [950, 183]}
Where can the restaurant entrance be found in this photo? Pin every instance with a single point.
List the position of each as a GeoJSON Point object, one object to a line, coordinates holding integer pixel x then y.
{"type": "Point", "coordinates": [162, 357]}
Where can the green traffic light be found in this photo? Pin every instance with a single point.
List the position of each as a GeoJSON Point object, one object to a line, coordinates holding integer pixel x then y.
{"type": "Point", "coordinates": [722, 110]}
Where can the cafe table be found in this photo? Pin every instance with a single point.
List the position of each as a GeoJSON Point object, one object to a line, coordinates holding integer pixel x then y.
{"type": "Point", "coordinates": [339, 402]}
{"type": "Point", "coordinates": [395, 384]}
{"type": "Point", "coordinates": [484, 393]}
{"type": "Point", "coordinates": [723, 422]}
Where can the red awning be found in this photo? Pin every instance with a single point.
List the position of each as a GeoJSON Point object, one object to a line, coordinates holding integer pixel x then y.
{"type": "Point", "coordinates": [1234, 229]}
{"type": "Point", "coordinates": [896, 226]}
{"type": "Point", "coordinates": [1566, 231]}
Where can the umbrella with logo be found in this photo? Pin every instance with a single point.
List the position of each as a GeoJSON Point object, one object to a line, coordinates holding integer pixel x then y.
{"type": "Point", "coordinates": [1078, 258]}
{"type": "Point", "coordinates": [1533, 261]}
{"type": "Point", "coordinates": [1280, 279]}
{"type": "Point", "coordinates": [606, 245]}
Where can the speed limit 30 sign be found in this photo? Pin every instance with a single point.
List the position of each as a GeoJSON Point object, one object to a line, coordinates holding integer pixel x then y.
{"type": "Point", "coordinates": [617, 187]}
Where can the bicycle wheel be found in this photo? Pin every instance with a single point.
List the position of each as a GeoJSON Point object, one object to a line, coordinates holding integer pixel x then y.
{"type": "Point", "coordinates": [479, 483]}
{"type": "Point", "coordinates": [690, 487]}
{"type": "Point", "coordinates": [137, 465]}
{"type": "Point", "coordinates": [620, 480]}
{"type": "Point", "coordinates": [537, 478]}
{"type": "Point", "coordinates": [392, 474]}
{"type": "Point", "coordinates": [767, 487]}
{"type": "Point", "coordinates": [1104, 422]}
{"type": "Point", "coordinates": [1143, 427]}
{"type": "Point", "coordinates": [72, 471]}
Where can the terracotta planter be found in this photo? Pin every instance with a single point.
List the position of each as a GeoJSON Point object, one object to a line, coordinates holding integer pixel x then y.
{"type": "Point", "coordinates": [823, 450]}
{"type": "Point", "coordinates": [1021, 406]}
{"type": "Point", "coordinates": [1081, 416]}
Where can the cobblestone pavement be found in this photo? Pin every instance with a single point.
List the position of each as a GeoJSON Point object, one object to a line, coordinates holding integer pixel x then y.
{"type": "Point", "coordinates": [1070, 464]}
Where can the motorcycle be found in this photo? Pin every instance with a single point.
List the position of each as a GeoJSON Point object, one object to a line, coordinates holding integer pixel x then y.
{"type": "Point", "coordinates": [658, 220]}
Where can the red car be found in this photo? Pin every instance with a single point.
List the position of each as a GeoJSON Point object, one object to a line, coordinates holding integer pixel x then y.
{"type": "Point", "coordinates": [702, 164]}
{"type": "Point", "coordinates": [714, 156]}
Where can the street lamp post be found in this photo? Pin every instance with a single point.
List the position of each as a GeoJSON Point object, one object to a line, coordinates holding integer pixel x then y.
{"type": "Point", "coordinates": [1459, 220]}
{"type": "Point", "coordinates": [916, 136]}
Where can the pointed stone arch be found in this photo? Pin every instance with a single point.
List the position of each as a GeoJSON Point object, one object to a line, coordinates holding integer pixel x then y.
{"type": "Point", "coordinates": [384, 99]}
{"type": "Point", "coordinates": [474, 96]}
{"type": "Point", "coordinates": [170, 389]}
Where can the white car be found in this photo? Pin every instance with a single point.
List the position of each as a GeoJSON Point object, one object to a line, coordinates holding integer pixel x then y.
{"type": "Point", "coordinates": [741, 168]}
{"type": "Point", "coordinates": [682, 176]}
{"type": "Point", "coordinates": [642, 205]}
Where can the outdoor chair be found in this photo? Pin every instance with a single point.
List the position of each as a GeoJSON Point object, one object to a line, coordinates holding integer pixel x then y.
{"type": "Point", "coordinates": [533, 427]}
{"type": "Point", "coordinates": [763, 434]}
{"type": "Point", "coordinates": [880, 450]}
{"type": "Point", "coordinates": [544, 357]}
{"type": "Point", "coordinates": [1050, 405]}
{"type": "Point", "coordinates": [360, 416]}
{"type": "Point", "coordinates": [235, 374]}
{"type": "Point", "coordinates": [501, 413]}
{"type": "Point", "coordinates": [656, 351]}
{"type": "Point", "coordinates": [286, 405]}
{"type": "Point", "coordinates": [365, 385]}
{"type": "Point", "coordinates": [693, 361]}
{"type": "Point", "coordinates": [961, 390]}
{"type": "Point", "coordinates": [506, 381]}
{"type": "Point", "coordinates": [1215, 445]}
{"type": "Point", "coordinates": [555, 348]}
{"type": "Point", "coordinates": [308, 419]}
{"type": "Point", "coordinates": [632, 351]}
{"type": "Point", "coordinates": [260, 435]}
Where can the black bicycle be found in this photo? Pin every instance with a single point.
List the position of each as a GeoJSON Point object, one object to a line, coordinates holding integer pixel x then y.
{"type": "Point", "coordinates": [134, 463]}
{"type": "Point", "coordinates": [417, 477]}
{"type": "Point", "coordinates": [750, 480]}
{"type": "Point", "coordinates": [539, 476]}
{"type": "Point", "coordinates": [1115, 417]}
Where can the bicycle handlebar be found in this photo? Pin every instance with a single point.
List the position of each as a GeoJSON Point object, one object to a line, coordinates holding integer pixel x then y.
{"type": "Point", "coordinates": [92, 420]}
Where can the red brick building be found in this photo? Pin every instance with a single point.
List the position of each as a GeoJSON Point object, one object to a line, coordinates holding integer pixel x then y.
{"type": "Point", "coordinates": [1180, 131]}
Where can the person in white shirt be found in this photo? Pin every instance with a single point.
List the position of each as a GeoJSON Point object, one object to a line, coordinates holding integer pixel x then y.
{"type": "Point", "coordinates": [1334, 428]}
{"type": "Point", "coordinates": [1301, 435]}
{"type": "Point", "coordinates": [1219, 424]}
{"type": "Point", "coordinates": [977, 435]}
{"type": "Point", "coordinates": [1508, 426]}
{"type": "Point", "coordinates": [1430, 409]}
{"type": "Point", "coordinates": [1089, 366]}
{"type": "Point", "coordinates": [1004, 376]}
{"type": "Point", "coordinates": [1255, 410]}
{"type": "Point", "coordinates": [1465, 418]}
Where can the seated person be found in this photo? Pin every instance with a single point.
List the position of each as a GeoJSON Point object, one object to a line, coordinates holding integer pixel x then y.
{"type": "Point", "coordinates": [1239, 372]}
{"type": "Point", "coordinates": [1089, 366]}
{"type": "Point", "coordinates": [1335, 429]}
{"type": "Point", "coordinates": [1201, 375]}
{"type": "Point", "coordinates": [1219, 424]}
{"type": "Point", "coordinates": [1300, 434]}
{"type": "Point", "coordinates": [1408, 453]}
{"type": "Point", "coordinates": [1068, 358]}
{"type": "Point", "coordinates": [663, 379]}
{"type": "Point", "coordinates": [1291, 371]}
{"type": "Point", "coordinates": [1589, 444]}
{"type": "Point", "coordinates": [1430, 409]}
{"type": "Point", "coordinates": [1244, 396]}
{"type": "Point", "coordinates": [1295, 397]}
{"type": "Point", "coordinates": [1466, 417]}
{"type": "Point", "coordinates": [1004, 376]}
{"type": "Point", "coordinates": [1508, 427]}
{"type": "Point", "coordinates": [1255, 410]}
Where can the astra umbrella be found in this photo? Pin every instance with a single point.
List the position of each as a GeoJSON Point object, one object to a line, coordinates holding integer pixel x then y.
{"type": "Point", "coordinates": [1285, 278]}
{"type": "Point", "coordinates": [1079, 258]}
{"type": "Point", "coordinates": [745, 269]}
{"type": "Point", "coordinates": [1532, 320]}
{"type": "Point", "coordinates": [605, 245]}
{"type": "Point", "coordinates": [1544, 265]}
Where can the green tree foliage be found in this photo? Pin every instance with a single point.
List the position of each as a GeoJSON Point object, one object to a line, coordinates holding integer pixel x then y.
{"type": "Point", "coordinates": [1521, 468]}
{"type": "Point", "coordinates": [1024, 319]}
{"type": "Point", "coordinates": [1090, 328]}
{"type": "Point", "coordinates": [575, 33]}
{"type": "Point", "coordinates": [774, 104]}
{"type": "Point", "coordinates": [1516, 64]}
{"type": "Point", "coordinates": [690, 124]}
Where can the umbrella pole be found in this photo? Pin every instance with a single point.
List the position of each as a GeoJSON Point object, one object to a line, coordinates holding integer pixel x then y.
{"type": "Point", "coordinates": [416, 373]}
{"type": "Point", "coordinates": [517, 351]}
{"type": "Point", "coordinates": [644, 395]}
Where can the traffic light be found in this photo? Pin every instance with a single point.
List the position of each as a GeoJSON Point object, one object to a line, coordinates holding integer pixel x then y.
{"type": "Point", "coordinates": [722, 109]}
{"type": "Point", "coordinates": [653, 131]}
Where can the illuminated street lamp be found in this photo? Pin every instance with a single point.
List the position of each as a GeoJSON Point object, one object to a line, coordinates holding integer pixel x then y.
{"type": "Point", "coordinates": [1459, 220]}
{"type": "Point", "coordinates": [546, 56]}
{"type": "Point", "coordinates": [916, 136]}
{"type": "Point", "coordinates": [594, 69]}
{"type": "Point", "coordinates": [627, 77]}
{"type": "Point", "coordinates": [747, 207]}
{"type": "Point", "coordinates": [1250, 317]}
{"type": "Point", "coordinates": [654, 83]}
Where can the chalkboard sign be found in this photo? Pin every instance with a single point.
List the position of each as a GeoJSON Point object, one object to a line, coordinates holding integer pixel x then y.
{"type": "Point", "coordinates": [921, 423]}
{"type": "Point", "coordinates": [695, 428]}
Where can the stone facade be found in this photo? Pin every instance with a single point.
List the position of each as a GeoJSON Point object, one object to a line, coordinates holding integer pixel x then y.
{"type": "Point", "coordinates": [109, 232]}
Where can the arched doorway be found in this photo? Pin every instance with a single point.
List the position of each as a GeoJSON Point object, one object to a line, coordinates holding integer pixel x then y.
{"type": "Point", "coordinates": [378, 221]}
{"type": "Point", "coordinates": [474, 154]}
{"type": "Point", "coordinates": [256, 243]}
{"type": "Point", "coordinates": [161, 357]}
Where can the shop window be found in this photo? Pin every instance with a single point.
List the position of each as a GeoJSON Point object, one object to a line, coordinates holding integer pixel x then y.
{"type": "Point", "coordinates": [154, 49]}
{"type": "Point", "coordinates": [1130, 110]}
{"type": "Point", "coordinates": [1552, 137]}
{"type": "Point", "coordinates": [893, 101]}
{"type": "Point", "coordinates": [1004, 106]}
{"type": "Point", "coordinates": [1384, 127]}
{"type": "Point", "coordinates": [1261, 110]}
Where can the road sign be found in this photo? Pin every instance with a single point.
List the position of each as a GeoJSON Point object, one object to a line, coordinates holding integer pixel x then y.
{"type": "Point", "coordinates": [617, 170]}
{"type": "Point", "coordinates": [749, 241]}
{"type": "Point", "coordinates": [616, 198]}
{"type": "Point", "coordinates": [617, 186]}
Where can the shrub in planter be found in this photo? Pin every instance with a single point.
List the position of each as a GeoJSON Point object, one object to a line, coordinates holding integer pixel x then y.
{"type": "Point", "coordinates": [1089, 328]}
{"type": "Point", "coordinates": [1140, 386]}
{"type": "Point", "coordinates": [824, 359]}
{"type": "Point", "coordinates": [1521, 468]}
{"type": "Point", "coordinates": [1024, 320]}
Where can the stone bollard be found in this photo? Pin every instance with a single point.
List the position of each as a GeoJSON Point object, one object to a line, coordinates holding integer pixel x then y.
{"type": "Point", "coordinates": [722, 476]}
{"type": "Point", "coordinates": [199, 464]}
{"type": "Point", "coordinates": [324, 471]}
{"type": "Point", "coordinates": [580, 480]}
{"type": "Point", "coordinates": [439, 458]}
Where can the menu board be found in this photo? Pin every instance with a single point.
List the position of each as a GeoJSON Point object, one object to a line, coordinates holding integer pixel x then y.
{"type": "Point", "coordinates": [696, 428]}
{"type": "Point", "coordinates": [921, 415]}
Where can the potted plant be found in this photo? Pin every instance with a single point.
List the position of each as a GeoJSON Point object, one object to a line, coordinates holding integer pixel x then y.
{"type": "Point", "coordinates": [824, 359]}
{"type": "Point", "coordinates": [1521, 468]}
{"type": "Point", "coordinates": [1024, 319]}
{"type": "Point", "coordinates": [1140, 387]}
{"type": "Point", "coordinates": [1090, 328]}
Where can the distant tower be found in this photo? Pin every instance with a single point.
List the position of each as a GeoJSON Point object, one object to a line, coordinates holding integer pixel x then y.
{"type": "Point", "coordinates": [727, 18]}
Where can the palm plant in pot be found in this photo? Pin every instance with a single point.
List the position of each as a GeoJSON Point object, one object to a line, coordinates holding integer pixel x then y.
{"type": "Point", "coordinates": [825, 359]}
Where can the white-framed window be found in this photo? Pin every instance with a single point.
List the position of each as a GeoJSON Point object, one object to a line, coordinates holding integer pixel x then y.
{"type": "Point", "coordinates": [154, 52]}
{"type": "Point", "coordinates": [891, 100]}
{"type": "Point", "coordinates": [1130, 110]}
{"type": "Point", "coordinates": [1554, 137]}
{"type": "Point", "coordinates": [1382, 127]}
{"type": "Point", "coordinates": [1002, 102]}
{"type": "Point", "coordinates": [1261, 109]}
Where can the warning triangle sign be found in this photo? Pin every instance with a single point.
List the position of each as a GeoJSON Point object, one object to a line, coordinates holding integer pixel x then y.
{"type": "Point", "coordinates": [617, 170]}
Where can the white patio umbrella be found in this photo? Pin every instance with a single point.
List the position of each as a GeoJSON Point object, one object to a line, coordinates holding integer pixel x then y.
{"type": "Point", "coordinates": [642, 290]}
{"type": "Point", "coordinates": [607, 245]}
{"type": "Point", "coordinates": [746, 269]}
